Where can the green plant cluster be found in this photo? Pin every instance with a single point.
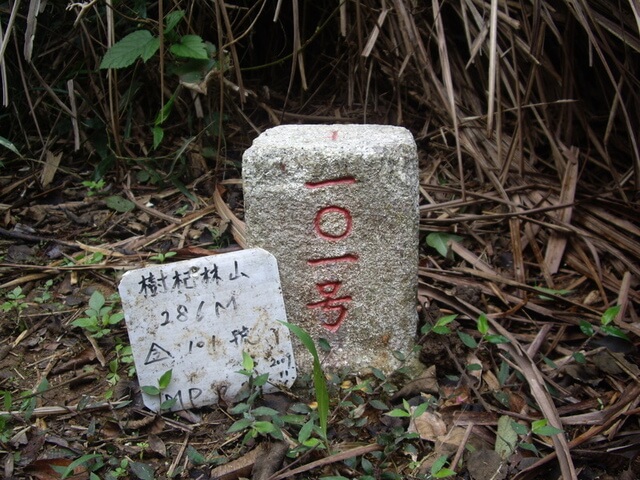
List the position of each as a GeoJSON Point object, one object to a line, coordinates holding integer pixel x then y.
{"type": "Point", "coordinates": [99, 317]}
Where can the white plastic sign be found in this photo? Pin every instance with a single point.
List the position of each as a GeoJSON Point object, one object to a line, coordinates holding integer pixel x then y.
{"type": "Point", "coordinates": [196, 317]}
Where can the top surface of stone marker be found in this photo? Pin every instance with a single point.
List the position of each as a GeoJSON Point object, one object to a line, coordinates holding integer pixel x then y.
{"type": "Point", "coordinates": [196, 317]}
{"type": "Point", "coordinates": [338, 207]}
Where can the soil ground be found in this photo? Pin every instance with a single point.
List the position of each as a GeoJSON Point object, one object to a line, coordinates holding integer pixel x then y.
{"type": "Point", "coordinates": [71, 400]}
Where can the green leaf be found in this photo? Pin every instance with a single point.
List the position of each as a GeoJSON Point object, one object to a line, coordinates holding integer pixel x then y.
{"type": "Point", "coordinates": [496, 339]}
{"type": "Point", "coordinates": [264, 427]}
{"type": "Point", "coordinates": [420, 409]}
{"type": "Point", "coordinates": [549, 362]}
{"type": "Point", "coordinates": [542, 427]}
{"type": "Point", "coordinates": [474, 367]}
{"type": "Point", "coordinates": [438, 464]}
{"type": "Point", "coordinates": [483, 324]}
{"type": "Point", "coordinates": [377, 404]}
{"type": "Point", "coordinates": [165, 379]}
{"type": "Point", "coordinates": [239, 408]}
{"type": "Point", "coordinates": [294, 419]}
{"type": "Point", "coordinates": [43, 386]}
{"type": "Point", "coordinates": [240, 425]}
{"type": "Point", "coordinates": [305, 432]}
{"type": "Point", "coordinates": [614, 331]}
{"type": "Point", "coordinates": [115, 318]}
{"type": "Point", "coordinates": [503, 373]}
{"type": "Point", "coordinates": [168, 404]}
{"type": "Point", "coordinates": [195, 457]}
{"type": "Point", "coordinates": [142, 470]}
{"type": "Point", "coordinates": [529, 446]}
{"type": "Point", "coordinates": [446, 320]}
{"type": "Point", "coordinates": [190, 46]}
{"type": "Point", "coordinates": [85, 322]}
{"type": "Point", "coordinates": [158, 135]}
{"type": "Point", "coordinates": [440, 330]}
{"type": "Point", "coordinates": [261, 380]}
{"type": "Point", "coordinates": [551, 291]}
{"type": "Point", "coordinates": [548, 430]}
{"type": "Point", "coordinates": [398, 412]}
{"type": "Point", "coordinates": [324, 345]}
{"type": "Point", "coordinates": [319, 381]}
{"type": "Point", "coordinates": [442, 322]}
{"type": "Point", "coordinates": [151, 390]}
{"type": "Point", "coordinates": [171, 20]}
{"type": "Point", "coordinates": [312, 443]}
{"type": "Point", "coordinates": [247, 362]}
{"type": "Point", "coordinates": [426, 328]}
{"type": "Point", "coordinates": [83, 460]}
{"type": "Point", "coordinates": [138, 44]}
{"type": "Point", "coordinates": [398, 355]}
{"type": "Point", "coordinates": [367, 466]}
{"type": "Point", "coordinates": [579, 357]}
{"type": "Point", "coordinates": [519, 428]}
{"type": "Point", "coordinates": [507, 437]}
{"type": "Point", "coordinates": [467, 339]}
{"type": "Point", "coordinates": [610, 314]}
{"type": "Point", "coordinates": [260, 411]}
{"type": "Point", "coordinates": [587, 328]}
{"type": "Point", "coordinates": [119, 204]}
{"type": "Point", "coordinates": [7, 144]}
{"type": "Point", "coordinates": [7, 399]}
{"type": "Point", "coordinates": [96, 302]}
{"type": "Point", "coordinates": [165, 111]}
{"type": "Point", "coordinates": [444, 473]}
{"type": "Point", "coordinates": [183, 189]}
{"type": "Point", "coordinates": [440, 241]}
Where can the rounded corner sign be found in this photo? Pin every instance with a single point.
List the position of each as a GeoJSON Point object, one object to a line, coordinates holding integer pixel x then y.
{"type": "Point", "coordinates": [197, 317]}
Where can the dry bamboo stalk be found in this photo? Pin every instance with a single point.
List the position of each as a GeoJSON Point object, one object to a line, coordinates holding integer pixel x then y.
{"type": "Point", "coordinates": [373, 36]}
{"type": "Point", "coordinates": [237, 225]}
{"type": "Point", "coordinates": [558, 242]}
{"type": "Point", "coordinates": [59, 410]}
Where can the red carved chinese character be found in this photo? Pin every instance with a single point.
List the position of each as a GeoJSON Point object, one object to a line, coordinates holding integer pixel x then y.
{"type": "Point", "coordinates": [349, 258]}
{"type": "Point", "coordinates": [332, 181]}
{"type": "Point", "coordinates": [317, 223]}
{"type": "Point", "coordinates": [331, 304]}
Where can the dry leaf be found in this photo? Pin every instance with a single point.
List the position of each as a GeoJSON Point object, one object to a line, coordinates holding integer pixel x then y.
{"type": "Point", "coordinates": [450, 442]}
{"type": "Point", "coordinates": [429, 426]}
{"type": "Point", "coordinates": [50, 167]}
{"type": "Point", "coordinates": [491, 380]}
{"type": "Point", "coordinates": [472, 359]}
{"type": "Point", "coordinates": [426, 382]}
{"type": "Point", "coordinates": [44, 469]}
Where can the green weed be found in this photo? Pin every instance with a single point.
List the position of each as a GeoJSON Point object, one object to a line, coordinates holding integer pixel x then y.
{"type": "Point", "coordinates": [192, 59]}
{"type": "Point", "coordinates": [606, 327]}
{"type": "Point", "coordinates": [100, 318]}
{"type": "Point", "coordinates": [162, 257]}
{"type": "Point", "coordinates": [95, 186]}
{"type": "Point", "coordinates": [14, 301]}
{"type": "Point", "coordinates": [250, 420]}
{"type": "Point", "coordinates": [124, 356]}
{"type": "Point", "coordinates": [156, 391]}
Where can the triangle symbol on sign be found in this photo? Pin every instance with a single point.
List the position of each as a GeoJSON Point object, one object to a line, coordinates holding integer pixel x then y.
{"type": "Point", "coordinates": [156, 354]}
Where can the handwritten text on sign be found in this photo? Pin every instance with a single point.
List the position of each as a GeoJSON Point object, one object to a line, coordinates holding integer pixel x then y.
{"type": "Point", "coordinates": [197, 317]}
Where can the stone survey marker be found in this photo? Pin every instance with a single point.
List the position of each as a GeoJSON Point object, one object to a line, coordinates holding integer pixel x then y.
{"type": "Point", "coordinates": [196, 317]}
{"type": "Point", "coordinates": [338, 207]}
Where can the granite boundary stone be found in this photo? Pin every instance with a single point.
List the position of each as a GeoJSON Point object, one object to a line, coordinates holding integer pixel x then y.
{"type": "Point", "coordinates": [337, 205]}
